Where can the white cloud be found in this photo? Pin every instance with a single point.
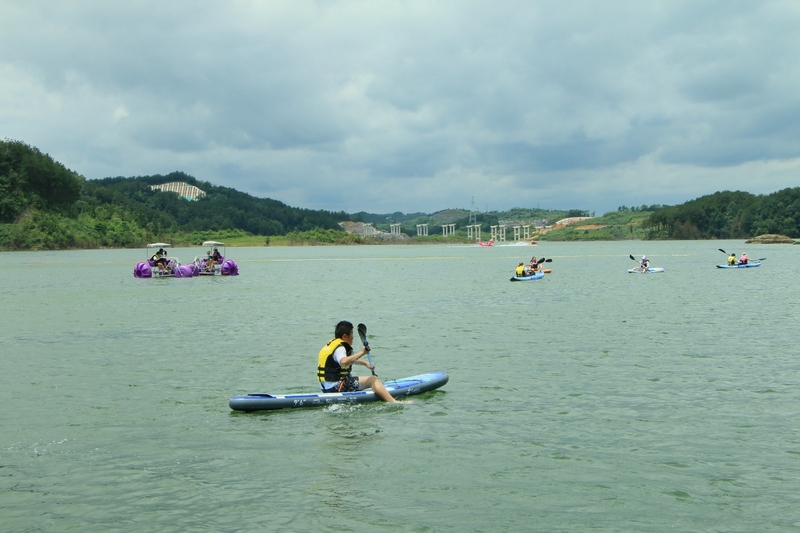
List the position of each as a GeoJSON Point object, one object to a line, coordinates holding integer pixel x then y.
{"type": "Point", "coordinates": [416, 106]}
{"type": "Point", "coordinates": [119, 114]}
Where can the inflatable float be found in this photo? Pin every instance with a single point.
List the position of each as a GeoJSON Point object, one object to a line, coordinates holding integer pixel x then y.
{"type": "Point", "coordinates": [398, 388]}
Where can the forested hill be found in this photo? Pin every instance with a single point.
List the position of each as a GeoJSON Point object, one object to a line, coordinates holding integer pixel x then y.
{"type": "Point", "coordinates": [44, 205]}
{"type": "Point", "coordinates": [222, 208]}
{"type": "Point", "coordinates": [730, 215]}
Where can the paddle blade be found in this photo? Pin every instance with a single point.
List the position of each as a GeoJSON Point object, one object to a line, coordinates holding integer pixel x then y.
{"type": "Point", "coordinates": [723, 251]}
{"type": "Point", "coordinates": [633, 258]}
{"type": "Point", "coordinates": [362, 333]}
{"type": "Point", "coordinates": [548, 260]}
{"type": "Point", "coordinates": [540, 261]}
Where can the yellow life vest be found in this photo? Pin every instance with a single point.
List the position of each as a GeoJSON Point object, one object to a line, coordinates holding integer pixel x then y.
{"type": "Point", "coordinates": [520, 271]}
{"type": "Point", "coordinates": [327, 367]}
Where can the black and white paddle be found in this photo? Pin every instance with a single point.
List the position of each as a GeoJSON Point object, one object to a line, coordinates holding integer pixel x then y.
{"type": "Point", "coordinates": [543, 260]}
{"type": "Point", "coordinates": [362, 332]}
{"type": "Point", "coordinates": [643, 269]}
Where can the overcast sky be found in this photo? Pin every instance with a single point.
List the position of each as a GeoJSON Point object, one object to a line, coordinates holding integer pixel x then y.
{"type": "Point", "coordinates": [409, 106]}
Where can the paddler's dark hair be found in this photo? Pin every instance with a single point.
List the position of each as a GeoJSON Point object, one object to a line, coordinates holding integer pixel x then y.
{"type": "Point", "coordinates": [343, 328]}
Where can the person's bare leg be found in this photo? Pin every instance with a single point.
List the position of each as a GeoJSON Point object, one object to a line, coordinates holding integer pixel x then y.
{"type": "Point", "coordinates": [365, 382]}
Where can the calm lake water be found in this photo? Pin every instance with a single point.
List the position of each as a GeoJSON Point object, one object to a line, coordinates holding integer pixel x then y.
{"type": "Point", "coordinates": [592, 400]}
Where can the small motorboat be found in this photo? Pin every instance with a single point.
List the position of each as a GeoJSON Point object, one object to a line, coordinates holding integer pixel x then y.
{"type": "Point", "coordinates": [490, 242]}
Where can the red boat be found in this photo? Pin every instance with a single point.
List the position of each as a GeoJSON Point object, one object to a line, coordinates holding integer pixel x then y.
{"type": "Point", "coordinates": [490, 243]}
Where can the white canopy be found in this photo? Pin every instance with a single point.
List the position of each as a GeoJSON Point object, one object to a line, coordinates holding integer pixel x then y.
{"type": "Point", "coordinates": [213, 243]}
{"type": "Point", "coordinates": [157, 245]}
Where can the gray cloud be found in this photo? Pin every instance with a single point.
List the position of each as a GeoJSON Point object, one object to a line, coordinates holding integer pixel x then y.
{"type": "Point", "coordinates": [413, 106]}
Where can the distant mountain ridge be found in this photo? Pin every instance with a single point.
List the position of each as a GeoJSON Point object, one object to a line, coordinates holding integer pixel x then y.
{"type": "Point", "coordinates": [44, 205]}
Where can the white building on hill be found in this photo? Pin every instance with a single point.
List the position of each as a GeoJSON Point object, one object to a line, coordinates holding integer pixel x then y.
{"type": "Point", "coordinates": [184, 190]}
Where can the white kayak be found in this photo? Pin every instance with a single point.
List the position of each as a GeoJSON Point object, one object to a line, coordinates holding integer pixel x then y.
{"type": "Point", "coordinates": [648, 271]}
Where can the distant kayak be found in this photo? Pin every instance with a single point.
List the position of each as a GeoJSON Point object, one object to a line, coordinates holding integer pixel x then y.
{"type": "Point", "coordinates": [538, 275]}
{"type": "Point", "coordinates": [653, 270]}
{"type": "Point", "coordinates": [748, 265]}
{"type": "Point", "coordinates": [397, 388]}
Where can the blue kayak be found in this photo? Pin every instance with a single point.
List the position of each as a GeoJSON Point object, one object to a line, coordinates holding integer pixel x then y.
{"type": "Point", "coordinates": [538, 275]}
{"type": "Point", "coordinates": [397, 388]}
{"type": "Point", "coordinates": [748, 265]}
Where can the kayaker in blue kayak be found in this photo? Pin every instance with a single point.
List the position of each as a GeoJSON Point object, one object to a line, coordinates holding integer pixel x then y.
{"type": "Point", "coordinates": [533, 266]}
{"type": "Point", "coordinates": [743, 259]}
{"type": "Point", "coordinates": [644, 264]}
{"type": "Point", "coordinates": [520, 270]}
{"type": "Point", "coordinates": [732, 260]}
{"type": "Point", "coordinates": [335, 362]}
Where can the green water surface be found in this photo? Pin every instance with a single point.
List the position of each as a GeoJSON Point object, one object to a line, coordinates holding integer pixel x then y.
{"type": "Point", "coordinates": [591, 400]}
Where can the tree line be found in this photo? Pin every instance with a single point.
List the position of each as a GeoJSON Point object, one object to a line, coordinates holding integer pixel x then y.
{"type": "Point", "coordinates": [44, 205]}
{"type": "Point", "coordinates": [729, 215]}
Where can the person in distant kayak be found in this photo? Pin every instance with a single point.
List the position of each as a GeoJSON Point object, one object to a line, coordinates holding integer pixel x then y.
{"type": "Point", "coordinates": [743, 259]}
{"type": "Point", "coordinates": [520, 270]}
{"type": "Point", "coordinates": [533, 266]}
{"type": "Point", "coordinates": [732, 260]}
{"type": "Point", "coordinates": [335, 363]}
{"type": "Point", "coordinates": [644, 264]}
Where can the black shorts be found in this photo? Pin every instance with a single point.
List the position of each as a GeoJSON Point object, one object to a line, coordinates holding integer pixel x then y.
{"type": "Point", "coordinates": [349, 384]}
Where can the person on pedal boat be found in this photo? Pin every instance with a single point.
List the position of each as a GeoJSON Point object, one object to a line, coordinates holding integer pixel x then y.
{"type": "Point", "coordinates": [732, 260]}
{"type": "Point", "coordinates": [644, 264]}
{"type": "Point", "coordinates": [335, 362]}
{"type": "Point", "coordinates": [160, 259]}
{"type": "Point", "coordinates": [213, 259]}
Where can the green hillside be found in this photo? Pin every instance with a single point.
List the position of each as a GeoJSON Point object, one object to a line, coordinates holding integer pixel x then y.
{"type": "Point", "coordinates": [44, 205]}
{"type": "Point", "coordinates": [730, 215]}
